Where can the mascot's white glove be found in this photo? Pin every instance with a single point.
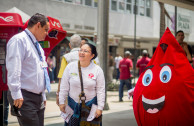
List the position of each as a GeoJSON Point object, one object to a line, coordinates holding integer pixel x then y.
{"type": "Point", "coordinates": [130, 92]}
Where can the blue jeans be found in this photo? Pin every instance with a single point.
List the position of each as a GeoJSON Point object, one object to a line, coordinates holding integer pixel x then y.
{"type": "Point", "coordinates": [51, 74]}
{"type": "Point", "coordinates": [6, 108]}
{"type": "Point", "coordinates": [126, 82]}
{"type": "Point", "coordinates": [118, 74]}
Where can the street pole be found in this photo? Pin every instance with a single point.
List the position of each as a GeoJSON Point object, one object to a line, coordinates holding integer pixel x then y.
{"type": "Point", "coordinates": [175, 24]}
{"type": "Point", "coordinates": [102, 38]}
{"type": "Point", "coordinates": [135, 50]}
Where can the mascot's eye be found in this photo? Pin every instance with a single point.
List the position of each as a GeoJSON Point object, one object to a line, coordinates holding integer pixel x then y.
{"type": "Point", "coordinates": [147, 77]}
{"type": "Point", "coordinates": [165, 74]}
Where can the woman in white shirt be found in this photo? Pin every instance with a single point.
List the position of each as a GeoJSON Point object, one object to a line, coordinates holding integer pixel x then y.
{"type": "Point", "coordinates": [93, 82]}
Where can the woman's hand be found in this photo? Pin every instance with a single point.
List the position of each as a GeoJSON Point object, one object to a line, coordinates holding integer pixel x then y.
{"type": "Point", "coordinates": [98, 113]}
{"type": "Point", "coordinates": [62, 107]}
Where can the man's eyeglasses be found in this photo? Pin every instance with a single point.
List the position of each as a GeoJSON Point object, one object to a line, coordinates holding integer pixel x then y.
{"type": "Point", "coordinates": [84, 51]}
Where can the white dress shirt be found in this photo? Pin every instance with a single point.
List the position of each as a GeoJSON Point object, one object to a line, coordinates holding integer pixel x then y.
{"type": "Point", "coordinates": [93, 82]}
{"type": "Point", "coordinates": [24, 66]}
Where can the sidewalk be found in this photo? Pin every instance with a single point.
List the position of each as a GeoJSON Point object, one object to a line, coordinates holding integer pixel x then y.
{"type": "Point", "coordinates": [119, 113]}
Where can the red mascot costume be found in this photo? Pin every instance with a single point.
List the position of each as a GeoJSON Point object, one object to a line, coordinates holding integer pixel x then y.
{"type": "Point", "coordinates": [164, 93]}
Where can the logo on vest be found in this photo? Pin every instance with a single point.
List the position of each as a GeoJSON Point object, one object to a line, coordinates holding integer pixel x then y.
{"type": "Point", "coordinates": [90, 75]}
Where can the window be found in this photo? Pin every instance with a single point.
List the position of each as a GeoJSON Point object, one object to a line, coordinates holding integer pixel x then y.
{"type": "Point", "coordinates": [148, 6]}
{"type": "Point", "coordinates": [128, 6]}
{"type": "Point", "coordinates": [79, 1]}
{"type": "Point", "coordinates": [95, 3]}
{"type": "Point", "coordinates": [142, 9]}
{"type": "Point", "coordinates": [113, 5]}
{"type": "Point", "coordinates": [88, 2]}
{"type": "Point", "coordinates": [121, 5]}
{"type": "Point", "coordinates": [69, 1]}
{"type": "Point", "coordinates": [142, 3]}
{"type": "Point", "coordinates": [135, 9]}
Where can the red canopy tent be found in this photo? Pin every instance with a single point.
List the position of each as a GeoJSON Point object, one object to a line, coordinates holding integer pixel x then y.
{"type": "Point", "coordinates": [55, 35]}
{"type": "Point", "coordinates": [10, 24]}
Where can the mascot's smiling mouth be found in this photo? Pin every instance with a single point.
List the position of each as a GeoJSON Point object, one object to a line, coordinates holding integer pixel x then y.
{"type": "Point", "coordinates": [153, 106]}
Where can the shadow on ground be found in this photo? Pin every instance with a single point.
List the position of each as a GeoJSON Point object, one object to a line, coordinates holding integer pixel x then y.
{"type": "Point", "coordinates": [122, 118]}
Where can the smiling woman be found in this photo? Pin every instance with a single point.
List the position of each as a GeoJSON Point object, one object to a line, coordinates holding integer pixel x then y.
{"type": "Point", "coordinates": [86, 54]}
{"type": "Point", "coordinates": [88, 82]}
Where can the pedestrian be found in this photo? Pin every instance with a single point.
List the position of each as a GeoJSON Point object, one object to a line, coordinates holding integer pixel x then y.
{"type": "Point", "coordinates": [4, 88]}
{"type": "Point", "coordinates": [110, 68]}
{"type": "Point", "coordinates": [118, 58]}
{"type": "Point", "coordinates": [125, 76]}
{"type": "Point", "coordinates": [83, 41]}
{"type": "Point", "coordinates": [142, 62]}
{"type": "Point", "coordinates": [93, 83]}
{"type": "Point", "coordinates": [50, 63]}
{"type": "Point", "coordinates": [75, 42]}
{"type": "Point", "coordinates": [6, 108]}
{"type": "Point", "coordinates": [27, 73]}
{"type": "Point", "coordinates": [187, 48]}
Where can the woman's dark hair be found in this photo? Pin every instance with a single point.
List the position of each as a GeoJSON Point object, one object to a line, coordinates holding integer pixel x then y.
{"type": "Point", "coordinates": [93, 49]}
{"type": "Point", "coordinates": [37, 18]}
{"type": "Point", "coordinates": [85, 39]}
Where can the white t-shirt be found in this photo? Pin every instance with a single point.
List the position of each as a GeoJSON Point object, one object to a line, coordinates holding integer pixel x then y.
{"type": "Point", "coordinates": [93, 82]}
{"type": "Point", "coordinates": [117, 61]}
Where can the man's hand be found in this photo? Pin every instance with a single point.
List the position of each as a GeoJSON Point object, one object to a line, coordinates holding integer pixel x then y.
{"type": "Point", "coordinates": [130, 93]}
{"type": "Point", "coordinates": [62, 107]}
{"type": "Point", "coordinates": [57, 94]}
{"type": "Point", "coordinates": [98, 113]}
{"type": "Point", "coordinates": [44, 103]}
{"type": "Point", "coordinates": [184, 46]}
{"type": "Point", "coordinates": [18, 102]}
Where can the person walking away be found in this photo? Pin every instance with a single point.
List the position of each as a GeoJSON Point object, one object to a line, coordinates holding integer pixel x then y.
{"type": "Point", "coordinates": [27, 72]}
{"type": "Point", "coordinates": [74, 44]}
{"type": "Point", "coordinates": [142, 62]}
{"type": "Point", "coordinates": [118, 58]}
{"type": "Point", "coordinates": [110, 68]}
{"type": "Point", "coordinates": [125, 76]}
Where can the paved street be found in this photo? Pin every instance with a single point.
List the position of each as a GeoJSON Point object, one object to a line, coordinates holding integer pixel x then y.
{"type": "Point", "coordinates": [119, 113]}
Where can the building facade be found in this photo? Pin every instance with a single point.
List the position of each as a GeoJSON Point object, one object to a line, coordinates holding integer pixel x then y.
{"type": "Point", "coordinates": [80, 16]}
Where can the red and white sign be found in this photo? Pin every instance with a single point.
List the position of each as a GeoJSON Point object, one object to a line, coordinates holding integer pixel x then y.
{"type": "Point", "coordinates": [10, 19]}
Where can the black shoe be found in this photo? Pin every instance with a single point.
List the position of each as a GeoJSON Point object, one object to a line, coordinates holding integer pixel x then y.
{"type": "Point", "coordinates": [120, 100]}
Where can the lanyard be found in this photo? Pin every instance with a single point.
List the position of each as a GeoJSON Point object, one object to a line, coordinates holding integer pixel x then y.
{"type": "Point", "coordinates": [38, 50]}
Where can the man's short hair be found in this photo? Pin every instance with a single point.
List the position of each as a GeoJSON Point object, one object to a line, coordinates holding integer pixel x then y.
{"type": "Point", "coordinates": [37, 18]}
{"type": "Point", "coordinates": [180, 31]}
{"type": "Point", "coordinates": [75, 41]}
